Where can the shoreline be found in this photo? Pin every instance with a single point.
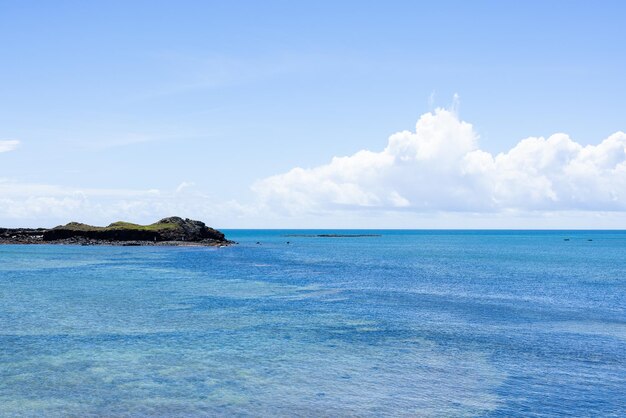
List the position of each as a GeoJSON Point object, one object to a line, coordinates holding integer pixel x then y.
{"type": "Point", "coordinates": [81, 243]}
{"type": "Point", "coordinates": [120, 237]}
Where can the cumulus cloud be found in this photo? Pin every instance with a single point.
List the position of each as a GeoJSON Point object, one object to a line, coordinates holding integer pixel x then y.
{"type": "Point", "coordinates": [440, 167]}
{"type": "Point", "coordinates": [8, 145]}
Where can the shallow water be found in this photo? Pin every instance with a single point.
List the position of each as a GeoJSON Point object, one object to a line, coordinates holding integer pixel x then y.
{"type": "Point", "coordinates": [431, 323]}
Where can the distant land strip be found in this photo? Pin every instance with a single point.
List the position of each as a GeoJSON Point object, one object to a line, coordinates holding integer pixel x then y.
{"type": "Point", "coordinates": [333, 235]}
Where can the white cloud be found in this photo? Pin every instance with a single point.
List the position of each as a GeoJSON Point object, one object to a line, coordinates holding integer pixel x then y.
{"type": "Point", "coordinates": [440, 167]}
{"type": "Point", "coordinates": [8, 145]}
{"type": "Point", "coordinates": [184, 185]}
{"type": "Point", "coordinates": [433, 177]}
{"type": "Point", "coordinates": [26, 204]}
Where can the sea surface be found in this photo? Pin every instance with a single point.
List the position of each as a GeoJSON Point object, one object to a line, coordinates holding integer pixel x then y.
{"type": "Point", "coordinates": [408, 323]}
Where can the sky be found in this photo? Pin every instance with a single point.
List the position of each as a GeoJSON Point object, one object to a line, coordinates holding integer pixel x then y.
{"type": "Point", "coordinates": [320, 114]}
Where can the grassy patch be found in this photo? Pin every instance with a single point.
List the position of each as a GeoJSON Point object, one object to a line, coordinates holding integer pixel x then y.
{"type": "Point", "coordinates": [119, 226]}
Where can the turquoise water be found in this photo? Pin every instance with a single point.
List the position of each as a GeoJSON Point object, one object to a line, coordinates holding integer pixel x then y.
{"type": "Point", "coordinates": [429, 323]}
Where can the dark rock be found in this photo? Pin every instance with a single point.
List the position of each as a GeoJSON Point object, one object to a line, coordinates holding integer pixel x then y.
{"type": "Point", "coordinates": [188, 230]}
{"type": "Point", "coordinates": [63, 232]}
{"type": "Point", "coordinates": [21, 235]}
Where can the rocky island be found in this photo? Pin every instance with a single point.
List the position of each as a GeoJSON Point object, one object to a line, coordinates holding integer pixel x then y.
{"type": "Point", "coordinates": [168, 231]}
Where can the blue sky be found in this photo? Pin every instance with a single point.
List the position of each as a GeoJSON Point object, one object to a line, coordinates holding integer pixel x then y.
{"type": "Point", "coordinates": [137, 109]}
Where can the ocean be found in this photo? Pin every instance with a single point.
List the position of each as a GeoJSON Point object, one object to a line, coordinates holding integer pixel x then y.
{"type": "Point", "coordinates": [392, 323]}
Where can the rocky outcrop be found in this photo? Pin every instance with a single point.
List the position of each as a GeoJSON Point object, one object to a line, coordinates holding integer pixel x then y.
{"type": "Point", "coordinates": [168, 231]}
{"type": "Point", "coordinates": [187, 230]}
{"type": "Point", "coordinates": [77, 230]}
{"type": "Point", "coordinates": [21, 236]}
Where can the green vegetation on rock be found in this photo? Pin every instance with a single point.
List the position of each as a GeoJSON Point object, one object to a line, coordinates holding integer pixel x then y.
{"type": "Point", "coordinates": [119, 226]}
{"type": "Point", "coordinates": [167, 229]}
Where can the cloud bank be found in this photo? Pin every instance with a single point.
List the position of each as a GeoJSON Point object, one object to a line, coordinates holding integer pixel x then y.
{"type": "Point", "coordinates": [440, 168]}
{"type": "Point", "coordinates": [29, 204]}
{"type": "Point", "coordinates": [434, 177]}
{"type": "Point", "coordinates": [8, 145]}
